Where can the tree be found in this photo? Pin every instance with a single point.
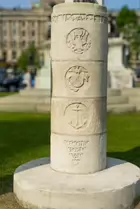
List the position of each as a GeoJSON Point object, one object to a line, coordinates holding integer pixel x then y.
{"type": "Point", "coordinates": [128, 24]}
{"type": "Point", "coordinates": [29, 57]}
{"type": "Point", "coordinates": [126, 17]}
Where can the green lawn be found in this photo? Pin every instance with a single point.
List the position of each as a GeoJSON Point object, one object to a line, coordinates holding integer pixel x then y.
{"type": "Point", "coordinates": [4, 94]}
{"type": "Point", "coordinates": [24, 137]}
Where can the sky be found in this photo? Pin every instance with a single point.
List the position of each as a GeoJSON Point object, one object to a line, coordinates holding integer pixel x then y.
{"type": "Point", "coordinates": [111, 4]}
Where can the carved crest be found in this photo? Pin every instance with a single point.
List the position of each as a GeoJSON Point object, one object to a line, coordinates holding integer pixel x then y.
{"type": "Point", "coordinates": [76, 77]}
{"type": "Point", "coordinates": [78, 40]}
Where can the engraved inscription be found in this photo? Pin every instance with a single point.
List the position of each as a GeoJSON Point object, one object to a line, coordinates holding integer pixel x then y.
{"type": "Point", "coordinates": [76, 149]}
{"type": "Point", "coordinates": [76, 77]}
{"type": "Point", "coordinates": [77, 115]}
{"type": "Point", "coordinates": [78, 40]}
{"type": "Point", "coordinates": [80, 17]}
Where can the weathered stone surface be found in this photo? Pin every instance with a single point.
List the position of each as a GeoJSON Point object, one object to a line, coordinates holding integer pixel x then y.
{"type": "Point", "coordinates": [79, 87]}
{"type": "Point", "coordinates": [119, 76]}
{"type": "Point", "coordinates": [131, 92]}
{"type": "Point", "coordinates": [121, 108]}
{"type": "Point", "coordinates": [79, 79]}
{"type": "Point", "coordinates": [38, 186]}
{"type": "Point", "coordinates": [78, 116]}
{"type": "Point", "coordinates": [76, 31]}
{"type": "Point", "coordinates": [117, 100]}
{"type": "Point", "coordinates": [77, 151]}
{"type": "Point", "coordinates": [113, 92]}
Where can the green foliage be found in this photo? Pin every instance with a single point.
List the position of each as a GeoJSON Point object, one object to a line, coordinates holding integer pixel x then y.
{"type": "Point", "coordinates": [127, 22]}
{"type": "Point", "coordinates": [132, 34]}
{"type": "Point", "coordinates": [25, 61]}
{"type": "Point", "coordinates": [126, 17]}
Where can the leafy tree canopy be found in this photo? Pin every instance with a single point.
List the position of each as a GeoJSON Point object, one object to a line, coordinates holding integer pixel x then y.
{"type": "Point", "coordinates": [29, 57]}
{"type": "Point", "coordinates": [128, 24]}
{"type": "Point", "coordinates": [126, 17]}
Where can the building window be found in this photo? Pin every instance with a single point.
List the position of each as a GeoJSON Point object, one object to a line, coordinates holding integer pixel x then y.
{"type": "Point", "coordinates": [4, 44]}
{"type": "Point", "coordinates": [23, 23]}
{"type": "Point", "coordinates": [4, 56]}
{"type": "Point", "coordinates": [49, 18]}
{"type": "Point", "coordinates": [14, 32]}
{"type": "Point", "coordinates": [13, 24]}
{"type": "Point", "coordinates": [14, 55]}
{"type": "Point", "coordinates": [23, 44]}
{"type": "Point", "coordinates": [32, 23]}
{"type": "Point", "coordinates": [14, 44]}
{"type": "Point", "coordinates": [4, 24]}
{"type": "Point", "coordinates": [23, 33]}
{"type": "Point", "coordinates": [49, 32]}
{"type": "Point", "coordinates": [4, 33]}
{"type": "Point", "coordinates": [33, 33]}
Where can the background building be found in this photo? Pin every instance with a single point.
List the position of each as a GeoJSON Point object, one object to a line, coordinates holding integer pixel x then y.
{"type": "Point", "coordinates": [21, 27]}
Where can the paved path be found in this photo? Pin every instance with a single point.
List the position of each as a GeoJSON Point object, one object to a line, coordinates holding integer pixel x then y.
{"type": "Point", "coordinates": [8, 201]}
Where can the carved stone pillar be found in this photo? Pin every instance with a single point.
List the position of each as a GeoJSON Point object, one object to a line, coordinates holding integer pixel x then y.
{"type": "Point", "coordinates": [79, 70]}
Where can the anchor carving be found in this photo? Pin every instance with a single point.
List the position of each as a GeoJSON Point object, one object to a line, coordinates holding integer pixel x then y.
{"type": "Point", "coordinates": [79, 121]}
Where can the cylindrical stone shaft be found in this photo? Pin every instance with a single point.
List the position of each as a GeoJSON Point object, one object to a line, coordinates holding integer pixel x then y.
{"type": "Point", "coordinates": [79, 46]}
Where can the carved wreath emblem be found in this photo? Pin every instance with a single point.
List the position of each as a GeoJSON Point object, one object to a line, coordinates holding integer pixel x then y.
{"type": "Point", "coordinates": [76, 77]}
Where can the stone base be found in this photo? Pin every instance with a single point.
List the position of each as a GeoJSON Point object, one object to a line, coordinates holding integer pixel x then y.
{"type": "Point", "coordinates": [43, 83]}
{"type": "Point", "coordinates": [120, 79]}
{"type": "Point", "coordinates": [121, 108]}
{"type": "Point", "coordinates": [43, 79]}
{"type": "Point", "coordinates": [113, 92]}
{"type": "Point", "coordinates": [36, 185]}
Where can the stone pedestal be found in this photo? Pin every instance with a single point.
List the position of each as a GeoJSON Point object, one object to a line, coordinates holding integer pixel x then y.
{"type": "Point", "coordinates": [119, 77]}
{"type": "Point", "coordinates": [79, 175]}
{"type": "Point", "coordinates": [43, 79]}
{"type": "Point", "coordinates": [38, 186]}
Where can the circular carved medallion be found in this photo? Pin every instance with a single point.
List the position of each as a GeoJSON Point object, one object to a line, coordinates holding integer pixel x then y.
{"type": "Point", "coordinates": [77, 115]}
{"type": "Point", "coordinates": [76, 77]}
{"type": "Point", "coordinates": [78, 40]}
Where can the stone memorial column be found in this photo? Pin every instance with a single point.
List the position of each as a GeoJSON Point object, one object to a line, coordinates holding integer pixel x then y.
{"type": "Point", "coordinates": [79, 88]}
{"type": "Point", "coordinates": [78, 123]}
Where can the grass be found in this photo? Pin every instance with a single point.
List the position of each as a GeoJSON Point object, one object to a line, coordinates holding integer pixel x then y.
{"type": "Point", "coordinates": [4, 94]}
{"type": "Point", "coordinates": [138, 84]}
{"type": "Point", "coordinates": [24, 137]}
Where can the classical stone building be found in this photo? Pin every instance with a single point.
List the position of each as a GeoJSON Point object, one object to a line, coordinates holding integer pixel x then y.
{"type": "Point", "coordinates": [20, 27]}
